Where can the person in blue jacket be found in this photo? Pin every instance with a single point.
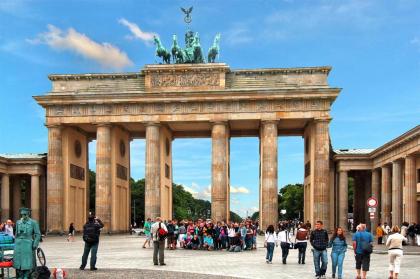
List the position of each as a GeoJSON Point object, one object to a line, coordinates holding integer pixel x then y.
{"type": "Point", "coordinates": [339, 247]}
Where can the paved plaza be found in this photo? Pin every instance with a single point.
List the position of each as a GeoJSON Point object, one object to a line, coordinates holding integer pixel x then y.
{"type": "Point", "coordinates": [123, 255]}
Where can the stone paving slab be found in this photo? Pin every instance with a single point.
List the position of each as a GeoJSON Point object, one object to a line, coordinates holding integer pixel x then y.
{"type": "Point", "coordinates": [124, 254]}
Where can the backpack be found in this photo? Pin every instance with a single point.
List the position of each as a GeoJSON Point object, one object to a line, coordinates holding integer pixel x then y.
{"type": "Point", "coordinates": [161, 234]}
{"type": "Point", "coordinates": [42, 272]}
{"type": "Point", "coordinates": [301, 235]}
{"type": "Point", "coordinates": [90, 233]}
{"type": "Point", "coordinates": [171, 228]}
{"type": "Point", "coordinates": [367, 247]}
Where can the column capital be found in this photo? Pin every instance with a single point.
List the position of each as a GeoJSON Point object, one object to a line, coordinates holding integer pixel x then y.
{"type": "Point", "coordinates": [322, 119]}
{"type": "Point", "coordinates": [152, 123]}
{"type": "Point", "coordinates": [410, 156]}
{"type": "Point", "coordinates": [220, 122]}
{"type": "Point", "coordinates": [269, 121]}
{"type": "Point", "coordinates": [103, 124]}
{"type": "Point", "coordinates": [50, 126]}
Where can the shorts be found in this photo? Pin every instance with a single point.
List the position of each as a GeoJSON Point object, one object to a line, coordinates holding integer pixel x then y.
{"type": "Point", "coordinates": [181, 237]}
{"type": "Point", "coordinates": [148, 236]}
{"type": "Point", "coordinates": [362, 262]}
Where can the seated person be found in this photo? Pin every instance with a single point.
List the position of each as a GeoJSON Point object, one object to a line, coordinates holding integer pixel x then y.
{"type": "Point", "coordinates": [194, 243]}
{"type": "Point", "coordinates": [208, 242]}
{"type": "Point", "coordinates": [187, 239]}
{"type": "Point", "coordinates": [236, 244]}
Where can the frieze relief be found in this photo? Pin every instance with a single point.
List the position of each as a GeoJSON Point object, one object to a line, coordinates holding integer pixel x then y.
{"type": "Point", "coordinates": [185, 80]}
{"type": "Point", "coordinates": [188, 108]}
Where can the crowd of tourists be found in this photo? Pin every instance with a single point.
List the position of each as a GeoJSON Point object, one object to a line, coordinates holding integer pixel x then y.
{"type": "Point", "coordinates": [206, 235]}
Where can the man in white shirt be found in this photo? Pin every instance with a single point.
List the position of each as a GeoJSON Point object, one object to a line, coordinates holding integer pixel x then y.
{"type": "Point", "coordinates": [8, 228]}
{"type": "Point", "coordinates": [158, 242]}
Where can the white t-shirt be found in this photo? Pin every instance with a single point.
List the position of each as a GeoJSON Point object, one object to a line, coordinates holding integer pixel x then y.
{"type": "Point", "coordinates": [283, 236]}
{"type": "Point", "coordinates": [270, 237]}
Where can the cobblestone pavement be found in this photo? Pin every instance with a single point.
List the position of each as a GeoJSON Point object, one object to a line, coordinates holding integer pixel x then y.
{"type": "Point", "coordinates": [122, 256]}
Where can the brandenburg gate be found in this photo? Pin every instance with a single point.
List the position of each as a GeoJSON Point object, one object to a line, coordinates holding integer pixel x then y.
{"type": "Point", "coordinates": [164, 102]}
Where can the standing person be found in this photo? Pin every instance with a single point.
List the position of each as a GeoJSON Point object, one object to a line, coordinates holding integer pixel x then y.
{"type": "Point", "coordinates": [159, 232]}
{"type": "Point", "coordinates": [339, 248]}
{"type": "Point", "coordinates": [362, 245]}
{"type": "Point", "coordinates": [8, 228]}
{"type": "Point", "coordinates": [379, 233]}
{"type": "Point", "coordinates": [319, 241]}
{"type": "Point", "coordinates": [417, 232]}
{"type": "Point", "coordinates": [411, 234]}
{"type": "Point", "coordinates": [147, 226]}
{"type": "Point", "coordinates": [301, 243]}
{"type": "Point", "coordinates": [182, 233]}
{"type": "Point", "coordinates": [72, 230]}
{"type": "Point", "coordinates": [231, 234]}
{"type": "Point", "coordinates": [171, 235]}
{"type": "Point", "coordinates": [284, 239]}
{"type": "Point", "coordinates": [394, 244]}
{"type": "Point", "coordinates": [270, 241]}
{"type": "Point", "coordinates": [308, 225]}
{"type": "Point", "coordinates": [91, 233]}
{"type": "Point", "coordinates": [387, 230]}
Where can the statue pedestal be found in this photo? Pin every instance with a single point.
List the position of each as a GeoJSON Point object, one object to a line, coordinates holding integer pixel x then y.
{"type": "Point", "coordinates": [185, 77]}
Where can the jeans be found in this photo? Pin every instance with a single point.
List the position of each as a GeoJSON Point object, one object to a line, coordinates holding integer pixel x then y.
{"type": "Point", "coordinates": [270, 251]}
{"type": "Point", "coordinates": [320, 257]}
{"type": "Point", "coordinates": [337, 260]}
{"type": "Point", "coordinates": [284, 250]}
{"type": "Point", "coordinates": [159, 248]}
{"type": "Point", "coordinates": [302, 251]}
{"type": "Point", "coordinates": [88, 248]}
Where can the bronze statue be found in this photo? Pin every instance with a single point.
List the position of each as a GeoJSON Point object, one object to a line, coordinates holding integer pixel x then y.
{"type": "Point", "coordinates": [161, 51]}
{"type": "Point", "coordinates": [178, 55]}
{"type": "Point", "coordinates": [214, 50]}
{"type": "Point", "coordinates": [27, 240]}
{"type": "Point", "coordinates": [187, 13]}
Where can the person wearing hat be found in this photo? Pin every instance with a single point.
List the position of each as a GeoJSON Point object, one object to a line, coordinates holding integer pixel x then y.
{"type": "Point", "coordinates": [27, 240]}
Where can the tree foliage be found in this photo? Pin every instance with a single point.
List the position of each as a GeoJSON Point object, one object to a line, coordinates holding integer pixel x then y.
{"type": "Point", "coordinates": [291, 199]}
{"type": "Point", "coordinates": [185, 206]}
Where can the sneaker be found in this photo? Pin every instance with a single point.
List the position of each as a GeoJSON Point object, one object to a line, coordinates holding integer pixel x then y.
{"type": "Point", "coordinates": [93, 268]}
{"type": "Point", "coordinates": [267, 261]}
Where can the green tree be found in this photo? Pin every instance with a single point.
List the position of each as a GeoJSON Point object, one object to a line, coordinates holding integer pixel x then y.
{"type": "Point", "coordinates": [235, 217]}
{"type": "Point", "coordinates": [255, 215]}
{"type": "Point", "coordinates": [291, 199]}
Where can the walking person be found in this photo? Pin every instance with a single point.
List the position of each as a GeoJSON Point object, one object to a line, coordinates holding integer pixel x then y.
{"type": "Point", "coordinates": [147, 226]}
{"type": "Point", "coordinates": [417, 232]}
{"type": "Point", "coordinates": [159, 233]}
{"type": "Point", "coordinates": [411, 234]}
{"type": "Point", "coordinates": [379, 233]}
{"type": "Point", "coordinates": [301, 243]}
{"type": "Point", "coordinates": [91, 233]}
{"type": "Point", "coordinates": [362, 245]}
{"type": "Point", "coordinates": [394, 244]}
{"type": "Point", "coordinates": [284, 239]}
{"type": "Point", "coordinates": [339, 247]}
{"type": "Point", "coordinates": [72, 230]}
{"type": "Point", "coordinates": [319, 241]}
{"type": "Point", "coordinates": [270, 241]}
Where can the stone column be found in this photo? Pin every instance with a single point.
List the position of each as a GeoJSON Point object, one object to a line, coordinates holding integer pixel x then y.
{"type": "Point", "coordinates": [269, 187]}
{"type": "Point", "coordinates": [103, 174]}
{"type": "Point", "coordinates": [5, 197]}
{"type": "Point", "coordinates": [386, 195]}
{"type": "Point", "coordinates": [375, 194]}
{"type": "Point", "coordinates": [17, 198]}
{"type": "Point", "coordinates": [219, 169]}
{"type": "Point", "coordinates": [321, 172]}
{"type": "Point", "coordinates": [152, 174]}
{"type": "Point", "coordinates": [396, 193]}
{"type": "Point", "coordinates": [35, 196]}
{"type": "Point", "coordinates": [410, 190]}
{"type": "Point", "coordinates": [55, 180]}
{"type": "Point", "coordinates": [343, 199]}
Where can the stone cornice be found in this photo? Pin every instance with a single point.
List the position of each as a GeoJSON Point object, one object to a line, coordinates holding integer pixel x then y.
{"type": "Point", "coordinates": [67, 77]}
{"type": "Point", "coordinates": [297, 70]}
{"type": "Point", "coordinates": [286, 94]}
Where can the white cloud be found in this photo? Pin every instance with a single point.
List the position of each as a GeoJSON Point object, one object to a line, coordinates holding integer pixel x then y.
{"type": "Point", "coordinates": [136, 32]}
{"type": "Point", "coordinates": [416, 42]}
{"type": "Point", "coordinates": [105, 54]}
{"type": "Point", "coordinates": [239, 190]}
{"type": "Point", "coordinates": [238, 34]}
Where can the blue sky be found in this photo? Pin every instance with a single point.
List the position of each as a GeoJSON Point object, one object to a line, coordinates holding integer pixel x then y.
{"type": "Point", "coordinates": [372, 45]}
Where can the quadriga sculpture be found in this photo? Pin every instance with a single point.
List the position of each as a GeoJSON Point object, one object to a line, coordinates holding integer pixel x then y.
{"type": "Point", "coordinates": [161, 51]}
